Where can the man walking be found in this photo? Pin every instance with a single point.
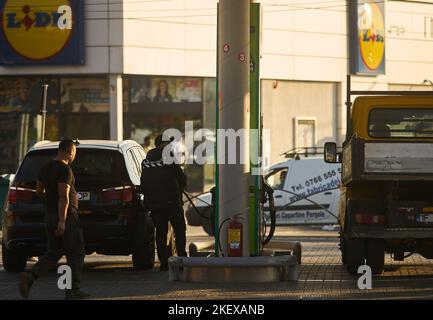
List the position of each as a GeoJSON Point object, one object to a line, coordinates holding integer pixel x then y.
{"type": "Point", "coordinates": [56, 185]}
{"type": "Point", "coordinates": [162, 186]}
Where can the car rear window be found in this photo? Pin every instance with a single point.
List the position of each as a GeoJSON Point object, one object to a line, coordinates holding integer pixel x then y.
{"type": "Point", "coordinates": [28, 172]}
{"type": "Point", "coordinates": [89, 165]}
{"type": "Point", "coordinates": [401, 123]}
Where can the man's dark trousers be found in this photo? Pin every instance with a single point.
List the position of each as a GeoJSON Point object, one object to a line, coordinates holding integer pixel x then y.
{"type": "Point", "coordinates": [71, 244]}
{"type": "Point", "coordinates": [177, 221]}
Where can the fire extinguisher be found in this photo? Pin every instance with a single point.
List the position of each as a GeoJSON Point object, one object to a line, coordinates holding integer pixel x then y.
{"type": "Point", "coordinates": [234, 237]}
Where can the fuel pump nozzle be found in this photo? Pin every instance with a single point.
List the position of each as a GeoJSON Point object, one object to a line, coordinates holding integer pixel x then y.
{"type": "Point", "coordinates": [268, 196]}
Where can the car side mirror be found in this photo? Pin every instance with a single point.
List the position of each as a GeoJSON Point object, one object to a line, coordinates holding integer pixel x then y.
{"type": "Point", "coordinates": [330, 152]}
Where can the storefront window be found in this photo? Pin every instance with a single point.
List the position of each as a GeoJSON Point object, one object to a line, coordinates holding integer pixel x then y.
{"type": "Point", "coordinates": [20, 105]}
{"type": "Point", "coordinates": [85, 105]}
{"type": "Point", "coordinates": [85, 95]}
{"type": "Point", "coordinates": [159, 103]}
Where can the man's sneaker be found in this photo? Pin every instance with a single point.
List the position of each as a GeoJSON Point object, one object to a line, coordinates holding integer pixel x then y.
{"type": "Point", "coordinates": [26, 281]}
{"type": "Point", "coordinates": [76, 294]}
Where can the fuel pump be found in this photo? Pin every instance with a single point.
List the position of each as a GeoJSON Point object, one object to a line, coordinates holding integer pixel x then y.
{"type": "Point", "coordinates": [233, 231]}
{"type": "Point", "coordinates": [238, 200]}
{"type": "Point", "coordinates": [235, 223]}
{"type": "Point", "coordinates": [250, 227]}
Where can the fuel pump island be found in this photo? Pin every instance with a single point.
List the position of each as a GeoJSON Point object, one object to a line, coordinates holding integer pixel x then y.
{"type": "Point", "coordinates": [240, 192]}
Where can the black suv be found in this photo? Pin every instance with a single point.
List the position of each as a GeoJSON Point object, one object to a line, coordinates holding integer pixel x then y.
{"type": "Point", "coordinates": [107, 177]}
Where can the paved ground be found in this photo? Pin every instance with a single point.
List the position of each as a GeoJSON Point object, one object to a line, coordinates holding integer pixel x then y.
{"type": "Point", "coordinates": [321, 277]}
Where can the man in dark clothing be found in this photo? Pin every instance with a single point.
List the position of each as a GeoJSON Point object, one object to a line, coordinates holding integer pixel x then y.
{"type": "Point", "coordinates": [162, 186]}
{"type": "Point", "coordinates": [56, 185]}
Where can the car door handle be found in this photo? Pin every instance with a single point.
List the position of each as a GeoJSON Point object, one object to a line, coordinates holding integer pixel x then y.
{"type": "Point", "coordinates": [328, 193]}
{"type": "Point", "coordinates": [278, 196]}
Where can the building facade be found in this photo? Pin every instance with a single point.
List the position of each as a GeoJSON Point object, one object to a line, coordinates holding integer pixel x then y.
{"type": "Point", "coordinates": [129, 69]}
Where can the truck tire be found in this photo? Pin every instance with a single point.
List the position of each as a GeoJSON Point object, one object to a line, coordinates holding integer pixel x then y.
{"type": "Point", "coordinates": [13, 261]}
{"type": "Point", "coordinates": [354, 254]}
{"type": "Point", "coordinates": [376, 255]}
{"type": "Point", "coordinates": [143, 252]}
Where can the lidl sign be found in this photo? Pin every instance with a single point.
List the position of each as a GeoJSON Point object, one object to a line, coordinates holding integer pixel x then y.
{"type": "Point", "coordinates": [31, 33]}
{"type": "Point", "coordinates": [367, 37]}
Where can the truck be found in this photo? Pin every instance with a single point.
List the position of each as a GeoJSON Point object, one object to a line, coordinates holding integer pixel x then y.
{"type": "Point", "coordinates": [386, 193]}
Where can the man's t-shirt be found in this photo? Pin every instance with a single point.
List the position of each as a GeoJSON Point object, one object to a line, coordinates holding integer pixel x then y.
{"type": "Point", "coordinates": [51, 174]}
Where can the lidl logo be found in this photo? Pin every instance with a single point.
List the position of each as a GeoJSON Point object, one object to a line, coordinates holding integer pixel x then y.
{"type": "Point", "coordinates": [44, 32]}
{"type": "Point", "coordinates": [371, 35]}
{"type": "Point", "coordinates": [367, 37]}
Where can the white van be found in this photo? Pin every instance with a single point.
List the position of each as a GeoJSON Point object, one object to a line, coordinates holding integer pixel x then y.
{"type": "Point", "coordinates": [306, 191]}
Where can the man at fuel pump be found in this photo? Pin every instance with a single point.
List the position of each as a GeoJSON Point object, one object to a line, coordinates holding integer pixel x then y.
{"type": "Point", "coordinates": [162, 185]}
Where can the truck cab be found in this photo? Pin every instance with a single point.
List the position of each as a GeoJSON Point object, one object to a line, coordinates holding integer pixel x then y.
{"type": "Point", "coordinates": [386, 196]}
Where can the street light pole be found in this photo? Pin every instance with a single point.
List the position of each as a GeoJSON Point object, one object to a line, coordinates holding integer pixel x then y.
{"type": "Point", "coordinates": [44, 109]}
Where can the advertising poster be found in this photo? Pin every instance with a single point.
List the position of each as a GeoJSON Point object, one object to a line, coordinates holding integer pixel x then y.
{"type": "Point", "coordinates": [165, 90]}
{"type": "Point", "coordinates": [25, 95]}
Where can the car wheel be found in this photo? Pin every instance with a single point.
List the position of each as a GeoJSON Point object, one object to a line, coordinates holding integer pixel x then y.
{"type": "Point", "coordinates": [143, 254]}
{"type": "Point", "coordinates": [13, 261]}
{"type": "Point", "coordinates": [354, 254]}
{"type": "Point", "coordinates": [376, 255]}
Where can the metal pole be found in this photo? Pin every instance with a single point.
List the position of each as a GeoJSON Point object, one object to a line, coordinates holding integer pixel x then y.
{"type": "Point", "coordinates": [234, 91]}
{"type": "Point", "coordinates": [23, 137]}
{"type": "Point", "coordinates": [348, 108]}
{"type": "Point", "coordinates": [44, 109]}
{"type": "Point", "coordinates": [116, 107]}
{"type": "Point", "coordinates": [256, 125]}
